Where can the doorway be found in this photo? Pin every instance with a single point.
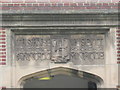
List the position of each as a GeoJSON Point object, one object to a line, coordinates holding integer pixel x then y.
{"type": "Point", "coordinates": [59, 81]}
{"type": "Point", "coordinates": [61, 78]}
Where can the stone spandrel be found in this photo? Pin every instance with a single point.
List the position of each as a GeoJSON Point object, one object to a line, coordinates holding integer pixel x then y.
{"type": "Point", "coordinates": [82, 49]}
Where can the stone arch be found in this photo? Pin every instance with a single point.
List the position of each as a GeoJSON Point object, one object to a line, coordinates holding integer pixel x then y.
{"type": "Point", "coordinates": [65, 71]}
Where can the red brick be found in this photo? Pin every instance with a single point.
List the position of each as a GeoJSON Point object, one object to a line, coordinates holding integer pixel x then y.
{"type": "Point", "coordinates": [3, 60]}
{"type": "Point", "coordinates": [55, 8]}
{"type": "Point", "coordinates": [16, 4]}
{"type": "Point", "coordinates": [54, 4]}
{"type": "Point", "coordinates": [2, 39]}
{"type": "Point", "coordinates": [2, 63]}
{"type": "Point", "coordinates": [118, 37]}
{"type": "Point", "coordinates": [16, 8]}
{"type": "Point", "coordinates": [86, 4]}
{"type": "Point", "coordinates": [17, 1]}
{"type": "Point", "coordinates": [29, 8]}
{"type": "Point", "coordinates": [118, 58]}
{"type": "Point", "coordinates": [118, 62]}
{"type": "Point", "coordinates": [118, 86]}
{"type": "Point", "coordinates": [2, 35]}
{"type": "Point", "coordinates": [2, 42]}
{"type": "Point", "coordinates": [55, 1]}
{"type": "Point", "coordinates": [118, 48]}
{"type": "Point", "coordinates": [47, 4]}
{"type": "Point", "coordinates": [111, 4]}
{"type": "Point", "coordinates": [29, 4]}
{"type": "Point", "coordinates": [105, 7]}
{"type": "Point", "coordinates": [117, 4]}
{"type": "Point", "coordinates": [30, 1]}
{"type": "Point", "coordinates": [115, 7]}
{"type": "Point", "coordinates": [23, 4]}
{"type": "Point", "coordinates": [2, 53]}
{"type": "Point", "coordinates": [3, 87]}
{"type": "Point", "coordinates": [66, 4]}
{"type": "Point", "coordinates": [60, 4]}
{"type": "Point", "coordinates": [36, 4]}
{"type": "Point", "coordinates": [5, 8]}
{"type": "Point", "coordinates": [4, 4]}
{"type": "Point", "coordinates": [2, 29]}
{"type": "Point", "coordinates": [118, 41]}
{"type": "Point", "coordinates": [118, 44]}
{"type": "Point", "coordinates": [118, 55]}
{"type": "Point", "coordinates": [79, 8]}
{"type": "Point", "coordinates": [118, 31]}
{"type": "Point", "coordinates": [99, 4]}
{"type": "Point", "coordinates": [43, 8]}
{"type": "Point", "coordinates": [73, 4]}
{"type": "Point", "coordinates": [80, 4]}
{"type": "Point", "coordinates": [92, 4]}
{"type": "Point", "coordinates": [2, 46]}
{"type": "Point", "coordinates": [91, 7]}
{"type": "Point", "coordinates": [105, 4]}
{"type": "Point", "coordinates": [67, 8]}
{"type": "Point", "coordinates": [2, 49]}
{"type": "Point", "coordinates": [41, 4]}
{"type": "Point", "coordinates": [2, 32]}
{"type": "Point", "coordinates": [118, 34]}
{"type": "Point", "coordinates": [2, 56]}
{"type": "Point", "coordinates": [10, 4]}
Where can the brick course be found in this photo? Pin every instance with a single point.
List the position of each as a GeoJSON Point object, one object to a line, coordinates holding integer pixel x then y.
{"type": "Point", "coordinates": [33, 6]}
{"type": "Point", "coordinates": [118, 45]}
{"type": "Point", "coordinates": [2, 46]}
{"type": "Point", "coordinates": [57, 1]}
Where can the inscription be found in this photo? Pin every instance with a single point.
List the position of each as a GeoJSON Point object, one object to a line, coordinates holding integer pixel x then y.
{"type": "Point", "coordinates": [84, 48]}
{"type": "Point", "coordinates": [32, 47]}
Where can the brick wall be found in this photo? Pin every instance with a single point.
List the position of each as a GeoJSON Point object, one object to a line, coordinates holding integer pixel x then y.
{"type": "Point", "coordinates": [118, 45]}
{"type": "Point", "coordinates": [54, 1]}
{"type": "Point", "coordinates": [60, 6]}
{"type": "Point", "coordinates": [2, 46]}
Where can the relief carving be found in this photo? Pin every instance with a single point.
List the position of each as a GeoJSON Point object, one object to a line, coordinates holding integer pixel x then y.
{"type": "Point", "coordinates": [83, 48]}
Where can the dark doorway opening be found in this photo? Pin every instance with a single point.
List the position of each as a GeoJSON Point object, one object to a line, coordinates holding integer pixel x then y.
{"type": "Point", "coordinates": [59, 81]}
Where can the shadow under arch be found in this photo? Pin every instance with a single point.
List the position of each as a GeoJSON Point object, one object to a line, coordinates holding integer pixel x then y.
{"type": "Point", "coordinates": [65, 71]}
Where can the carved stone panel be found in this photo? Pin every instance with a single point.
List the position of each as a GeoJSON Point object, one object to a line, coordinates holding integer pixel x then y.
{"type": "Point", "coordinates": [87, 49]}
{"type": "Point", "coordinates": [32, 47]}
{"type": "Point", "coordinates": [60, 48]}
{"type": "Point", "coordinates": [80, 49]}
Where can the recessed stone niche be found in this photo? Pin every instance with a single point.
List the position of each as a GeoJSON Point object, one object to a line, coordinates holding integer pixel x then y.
{"type": "Point", "coordinates": [61, 46]}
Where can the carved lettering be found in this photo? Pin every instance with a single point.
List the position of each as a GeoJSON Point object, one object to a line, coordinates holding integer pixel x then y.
{"type": "Point", "coordinates": [61, 48]}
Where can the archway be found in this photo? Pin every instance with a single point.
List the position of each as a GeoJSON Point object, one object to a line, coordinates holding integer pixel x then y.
{"type": "Point", "coordinates": [61, 78]}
